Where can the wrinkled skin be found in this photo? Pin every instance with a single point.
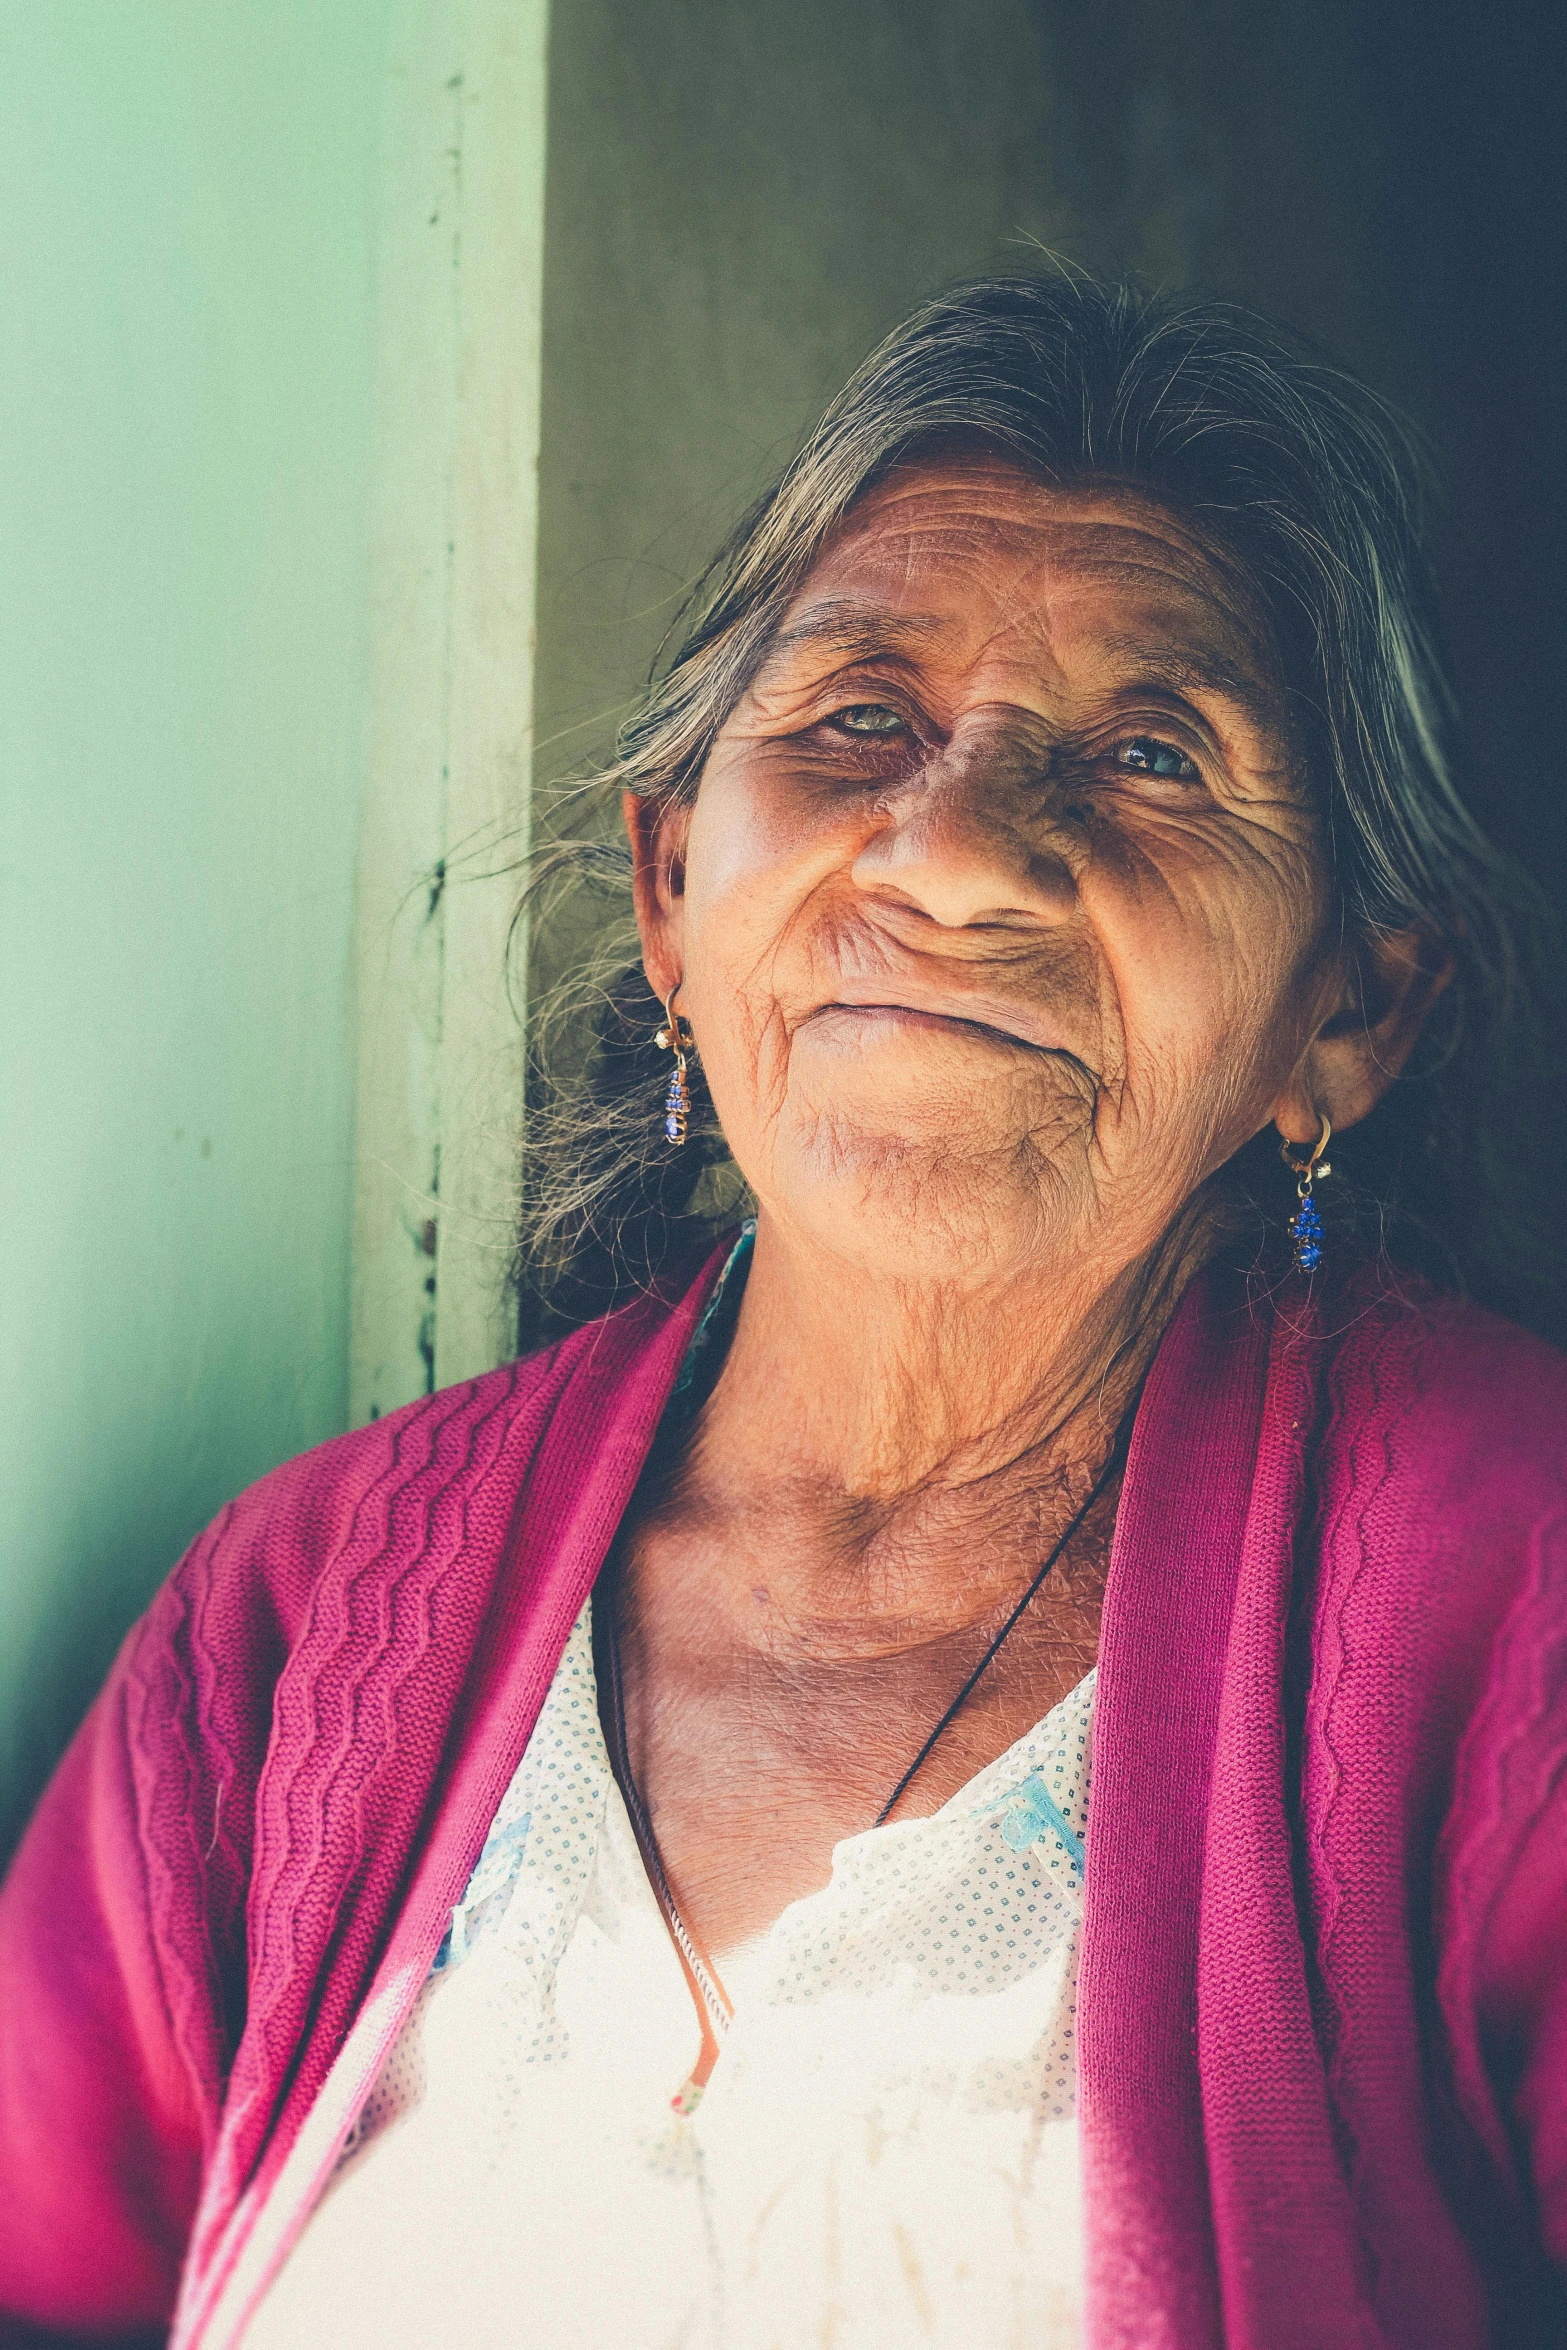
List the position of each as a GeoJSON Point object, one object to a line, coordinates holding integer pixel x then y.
{"type": "Point", "coordinates": [1001, 919]}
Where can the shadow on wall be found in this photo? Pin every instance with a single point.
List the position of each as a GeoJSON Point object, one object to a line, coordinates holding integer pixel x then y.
{"type": "Point", "coordinates": [1386, 179]}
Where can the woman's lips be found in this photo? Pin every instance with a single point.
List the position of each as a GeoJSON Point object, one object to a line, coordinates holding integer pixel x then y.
{"type": "Point", "coordinates": [921, 1016]}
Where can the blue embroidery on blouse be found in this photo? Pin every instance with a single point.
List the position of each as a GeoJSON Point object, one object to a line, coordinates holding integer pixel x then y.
{"type": "Point", "coordinates": [490, 1888]}
{"type": "Point", "coordinates": [1031, 1812]}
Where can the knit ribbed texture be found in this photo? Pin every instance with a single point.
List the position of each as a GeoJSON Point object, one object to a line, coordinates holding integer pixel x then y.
{"type": "Point", "coordinates": [1323, 2010]}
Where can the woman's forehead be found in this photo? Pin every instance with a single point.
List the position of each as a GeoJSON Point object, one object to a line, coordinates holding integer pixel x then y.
{"type": "Point", "coordinates": [946, 562]}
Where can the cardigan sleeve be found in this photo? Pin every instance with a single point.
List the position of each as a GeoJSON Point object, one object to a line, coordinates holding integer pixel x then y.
{"type": "Point", "coordinates": [1527, 1996]}
{"type": "Point", "coordinates": [1506, 1905]}
{"type": "Point", "coordinates": [102, 2121]}
{"type": "Point", "coordinates": [1522, 1983]}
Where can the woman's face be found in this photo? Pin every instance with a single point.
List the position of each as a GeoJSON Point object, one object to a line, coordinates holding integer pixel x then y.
{"type": "Point", "coordinates": [1001, 915]}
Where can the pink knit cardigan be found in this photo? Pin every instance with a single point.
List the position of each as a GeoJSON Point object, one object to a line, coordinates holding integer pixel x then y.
{"type": "Point", "coordinates": [1323, 2022]}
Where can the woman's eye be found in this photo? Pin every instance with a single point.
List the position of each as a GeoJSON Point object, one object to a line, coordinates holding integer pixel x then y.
{"type": "Point", "coordinates": [1149, 756]}
{"type": "Point", "coordinates": [868, 718]}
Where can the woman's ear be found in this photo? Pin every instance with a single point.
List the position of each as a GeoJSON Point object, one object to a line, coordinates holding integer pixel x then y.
{"type": "Point", "coordinates": [1389, 983]}
{"type": "Point", "coordinates": [657, 832]}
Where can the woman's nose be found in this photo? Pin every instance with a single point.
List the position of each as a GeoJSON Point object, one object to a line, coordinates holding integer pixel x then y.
{"type": "Point", "coordinates": [975, 836]}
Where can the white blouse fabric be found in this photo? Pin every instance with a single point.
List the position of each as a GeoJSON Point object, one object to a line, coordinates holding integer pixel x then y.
{"type": "Point", "coordinates": [886, 2152]}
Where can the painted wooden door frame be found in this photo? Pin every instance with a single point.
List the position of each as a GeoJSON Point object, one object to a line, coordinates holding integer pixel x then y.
{"type": "Point", "coordinates": [440, 1085]}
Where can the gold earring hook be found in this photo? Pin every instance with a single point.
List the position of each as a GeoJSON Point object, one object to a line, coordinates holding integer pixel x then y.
{"type": "Point", "coordinates": [669, 1038]}
{"type": "Point", "coordinates": [677, 1096]}
{"type": "Point", "coordinates": [1310, 1169]}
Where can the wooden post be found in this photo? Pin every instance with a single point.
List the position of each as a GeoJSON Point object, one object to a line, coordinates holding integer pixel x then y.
{"type": "Point", "coordinates": [440, 1094]}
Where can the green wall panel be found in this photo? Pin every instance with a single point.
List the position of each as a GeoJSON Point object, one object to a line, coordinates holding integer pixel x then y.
{"type": "Point", "coordinates": [187, 198]}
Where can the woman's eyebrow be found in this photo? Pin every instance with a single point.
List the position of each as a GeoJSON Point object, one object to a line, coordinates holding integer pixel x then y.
{"type": "Point", "coordinates": [1195, 669]}
{"type": "Point", "coordinates": [857, 630]}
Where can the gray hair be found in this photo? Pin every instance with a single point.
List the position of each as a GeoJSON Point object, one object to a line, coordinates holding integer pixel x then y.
{"type": "Point", "coordinates": [1302, 482]}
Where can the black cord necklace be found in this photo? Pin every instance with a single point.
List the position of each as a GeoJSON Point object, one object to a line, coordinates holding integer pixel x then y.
{"type": "Point", "coordinates": [606, 1646]}
{"type": "Point", "coordinates": [1074, 1525]}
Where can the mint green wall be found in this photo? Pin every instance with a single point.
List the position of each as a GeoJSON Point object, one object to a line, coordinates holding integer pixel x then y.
{"type": "Point", "coordinates": [187, 195]}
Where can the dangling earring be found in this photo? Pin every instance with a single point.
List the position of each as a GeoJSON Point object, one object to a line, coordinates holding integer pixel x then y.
{"type": "Point", "coordinates": [677, 1095]}
{"type": "Point", "coordinates": [1306, 1223]}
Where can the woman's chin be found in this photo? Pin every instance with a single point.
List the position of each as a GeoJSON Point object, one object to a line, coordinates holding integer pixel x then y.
{"type": "Point", "coordinates": [938, 1203]}
{"type": "Point", "coordinates": [982, 1106]}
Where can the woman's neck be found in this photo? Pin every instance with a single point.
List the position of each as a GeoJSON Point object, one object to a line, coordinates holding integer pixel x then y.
{"type": "Point", "coordinates": [878, 1388]}
{"type": "Point", "coordinates": [883, 1429]}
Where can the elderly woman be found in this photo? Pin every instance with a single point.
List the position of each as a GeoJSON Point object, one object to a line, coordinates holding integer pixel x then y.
{"type": "Point", "coordinates": [983, 1762]}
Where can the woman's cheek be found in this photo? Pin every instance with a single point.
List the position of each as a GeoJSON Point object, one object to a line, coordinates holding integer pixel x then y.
{"type": "Point", "coordinates": [764, 809]}
{"type": "Point", "coordinates": [754, 863]}
{"type": "Point", "coordinates": [734, 972]}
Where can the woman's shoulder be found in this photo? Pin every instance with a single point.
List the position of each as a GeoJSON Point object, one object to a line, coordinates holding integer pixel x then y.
{"type": "Point", "coordinates": [372, 1489]}
{"type": "Point", "coordinates": [1439, 1469]}
{"type": "Point", "coordinates": [364, 1569]}
{"type": "Point", "coordinates": [437, 1477]}
{"type": "Point", "coordinates": [1464, 1404]}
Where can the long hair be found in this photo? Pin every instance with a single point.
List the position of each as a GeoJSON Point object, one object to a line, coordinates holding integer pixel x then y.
{"type": "Point", "coordinates": [1313, 491]}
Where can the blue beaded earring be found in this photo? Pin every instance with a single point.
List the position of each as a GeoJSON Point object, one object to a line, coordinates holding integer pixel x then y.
{"type": "Point", "coordinates": [1306, 1223]}
{"type": "Point", "coordinates": [677, 1094]}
